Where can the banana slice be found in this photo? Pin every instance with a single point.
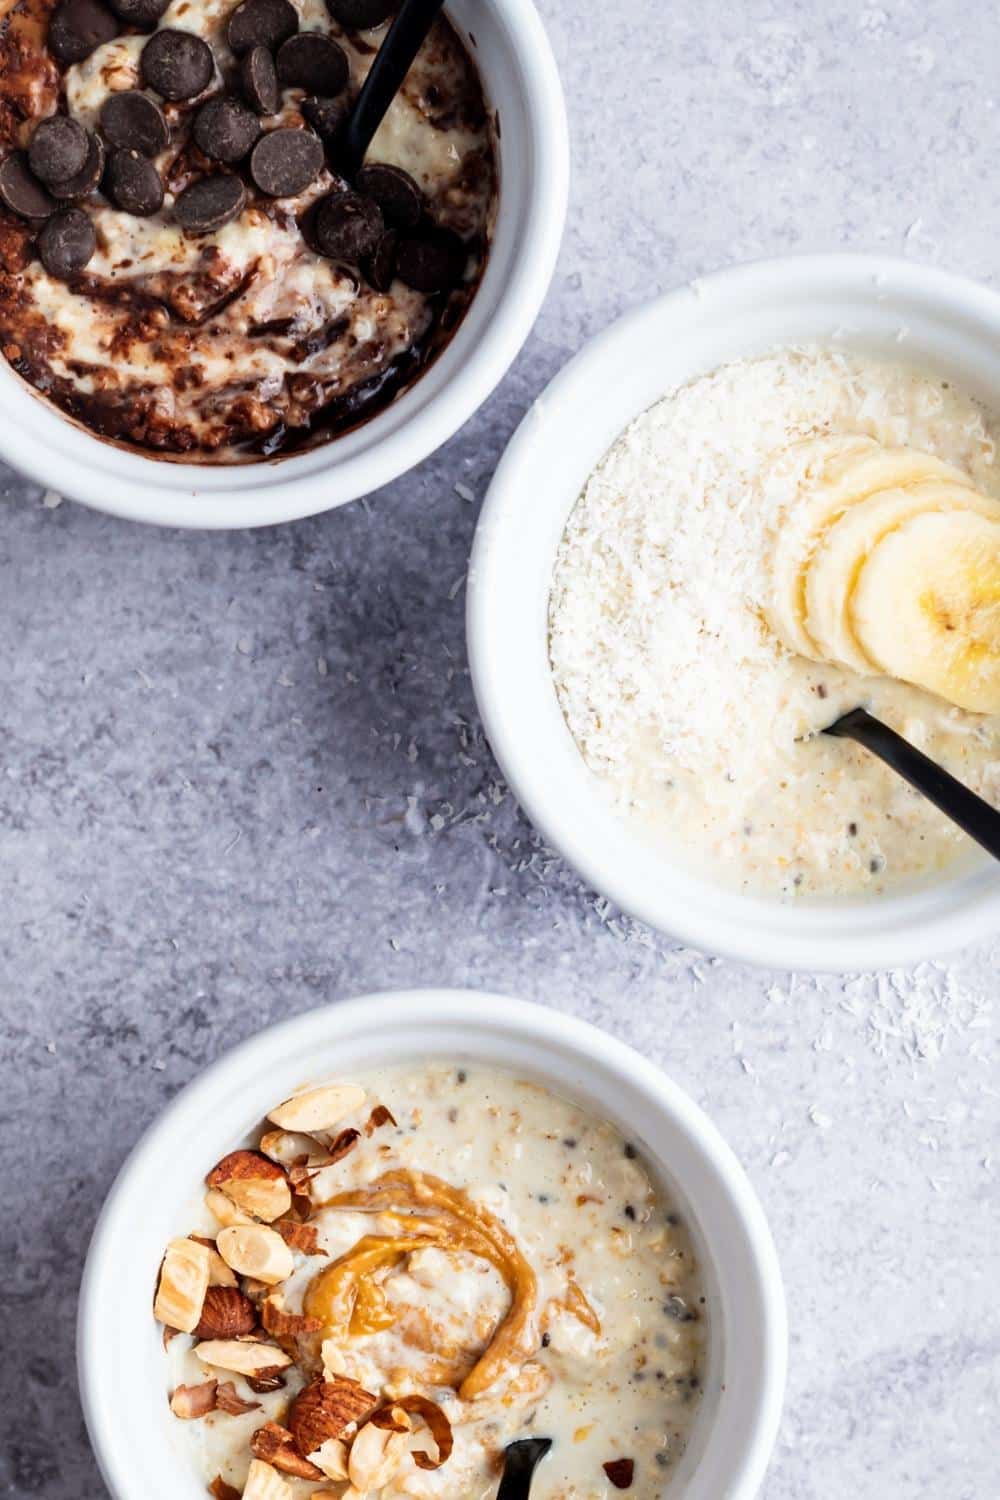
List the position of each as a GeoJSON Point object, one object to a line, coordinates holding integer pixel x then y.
{"type": "Point", "coordinates": [926, 607]}
{"type": "Point", "coordinates": [809, 462]}
{"type": "Point", "coordinates": [848, 478]}
{"type": "Point", "coordinates": [837, 562]}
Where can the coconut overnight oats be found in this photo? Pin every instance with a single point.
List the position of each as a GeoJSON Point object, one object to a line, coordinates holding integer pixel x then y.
{"type": "Point", "coordinates": [407, 1273]}
{"type": "Point", "coordinates": [183, 268]}
{"type": "Point", "coordinates": [777, 542]}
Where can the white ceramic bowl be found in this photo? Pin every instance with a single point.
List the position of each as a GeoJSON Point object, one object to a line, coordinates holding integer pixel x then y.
{"type": "Point", "coordinates": [522, 85]}
{"type": "Point", "coordinates": [952, 326]}
{"type": "Point", "coordinates": [121, 1366]}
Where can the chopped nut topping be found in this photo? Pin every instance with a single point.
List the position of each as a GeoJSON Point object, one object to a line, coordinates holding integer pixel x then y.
{"type": "Point", "coordinates": [331, 1458]}
{"type": "Point", "coordinates": [254, 1250]}
{"type": "Point", "coordinates": [254, 1183]}
{"type": "Point", "coordinates": [301, 1237]}
{"type": "Point", "coordinates": [221, 1490]}
{"type": "Point", "coordinates": [226, 1313]}
{"type": "Point", "coordinates": [284, 1324]}
{"type": "Point", "coordinates": [183, 1284]}
{"type": "Point", "coordinates": [325, 1409]}
{"type": "Point", "coordinates": [225, 1210]}
{"type": "Point", "coordinates": [620, 1472]}
{"type": "Point", "coordinates": [318, 1109]}
{"type": "Point", "coordinates": [275, 1445]}
{"type": "Point", "coordinates": [242, 1356]}
{"type": "Point", "coordinates": [227, 1400]}
{"type": "Point", "coordinates": [265, 1483]}
{"type": "Point", "coordinates": [189, 1402]}
{"type": "Point", "coordinates": [378, 1117]}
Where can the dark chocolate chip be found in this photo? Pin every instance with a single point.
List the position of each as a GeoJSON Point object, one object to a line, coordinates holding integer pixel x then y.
{"type": "Point", "coordinates": [395, 192]}
{"type": "Point", "coordinates": [77, 28]}
{"type": "Point", "coordinates": [88, 179]}
{"type": "Point", "coordinates": [21, 191]}
{"type": "Point", "coordinates": [133, 183]}
{"type": "Point", "coordinates": [135, 122]}
{"type": "Point", "coordinates": [66, 243]}
{"type": "Point", "coordinates": [260, 81]}
{"type": "Point", "coordinates": [177, 64]}
{"type": "Point", "coordinates": [380, 270]}
{"type": "Point", "coordinates": [210, 203]}
{"type": "Point", "coordinates": [58, 148]}
{"type": "Point", "coordinates": [225, 129]}
{"type": "Point", "coordinates": [285, 162]}
{"type": "Point", "coordinates": [139, 12]}
{"type": "Point", "coordinates": [348, 227]}
{"type": "Point", "coordinates": [261, 23]}
{"type": "Point", "coordinates": [327, 116]}
{"type": "Point", "coordinates": [361, 15]}
{"type": "Point", "coordinates": [432, 262]}
{"type": "Point", "coordinates": [313, 62]}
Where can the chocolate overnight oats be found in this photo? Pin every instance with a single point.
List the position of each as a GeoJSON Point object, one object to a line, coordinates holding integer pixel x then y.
{"type": "Point", "coordinates": [182, 267]}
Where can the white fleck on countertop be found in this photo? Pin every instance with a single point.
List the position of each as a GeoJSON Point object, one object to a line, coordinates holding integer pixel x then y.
{"type": "Point", "coordinates": [243, 774]}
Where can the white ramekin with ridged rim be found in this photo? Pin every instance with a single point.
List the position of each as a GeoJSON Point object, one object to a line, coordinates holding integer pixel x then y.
{"type": "Point", "coordinates": [120, 1352]}
{"type": "Point", "coordinates": [885, 306]}
{"type": "Point", "coordinates": [522, 84]}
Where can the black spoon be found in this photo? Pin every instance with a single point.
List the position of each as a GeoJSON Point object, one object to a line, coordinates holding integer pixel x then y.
{"type": "Point", "coordinates": [403, 41]}
{"type": "Point", "coordinates": [978, 819]}
{"type": "Point", "coordinates": [522, 1459]}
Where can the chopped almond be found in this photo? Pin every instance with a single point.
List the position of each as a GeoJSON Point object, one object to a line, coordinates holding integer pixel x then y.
{"type": "Point", "coordinates": [221, 1490]}
{"type": "Point", "coordinates": [284, 1324]}
{"type": "Point", "coordinates": [254, 1183]}
{"type": "Point", "coordinates": [254, 1250]}
{"type": "Point", "coordinates": [219, 1273]}
{"type": "Point", "coordinates": [331, 1458]}
{"type": "Point", "coordinates": [378, 1117]}
{"type": "Point", "coordinates": [228, 1400]}
{"type": "Point", "coordinates": [301, 1237]}
{"type": "Point", "coordinates": [225, 1314]}
{"type": "Point", "coordinates": [265, 1483]}
{"type": "Point", "coordinates": [620, 1471]}
{"type": "Point", "coordinates": [265, 1381]}
{"type": "Point", "coordinates": [183, 1284]}
{"type": "Point", "coordinates": [224, 1209]}
{"type": "Point", "coordinates": [318, 1109]}
{"type": "Point", "coordinates": [275, 1445]}
{"type": "Point", "coordinates": [189, 1402]}
{"type": "Point", "coordinates": [242, 1356]}
{"type": "Point", "coordinates": [375, 1455]}
{"type": "Point", "coordinates": [440, 1429]}
{"type": "Point", "coordinates": [325, 1409]}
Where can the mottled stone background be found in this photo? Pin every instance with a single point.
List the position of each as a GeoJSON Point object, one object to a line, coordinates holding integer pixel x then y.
{"type": "Point", "coordinates": [243, 775]}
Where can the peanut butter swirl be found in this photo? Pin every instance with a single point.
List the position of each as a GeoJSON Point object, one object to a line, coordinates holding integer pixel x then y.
{"type": "Point", "coordinates": [432, 1213]}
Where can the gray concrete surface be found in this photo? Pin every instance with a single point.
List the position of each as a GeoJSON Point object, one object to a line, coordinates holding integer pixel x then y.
{"type": "Point", "coordinates": [220, 759]}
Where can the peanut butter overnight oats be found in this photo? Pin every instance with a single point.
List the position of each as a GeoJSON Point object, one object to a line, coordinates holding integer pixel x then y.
{"type": "Point", "coordinates": [182, 267]}
{"type": "Point", "coordinates": [408, 1273]}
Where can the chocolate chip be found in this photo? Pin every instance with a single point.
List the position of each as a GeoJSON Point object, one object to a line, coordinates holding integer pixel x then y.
{"type": "Point", "coordinates": [260, 81]}
{"type": "Point", "coordinates": [313, 62]}
{"type": "Point", "coordinates": [285, 162]}
{"type": "Point", "coordinates": [261, 23]}
{"type": "Point", "coordinates": [21, 191]}
{"type": "Point", "coordinates": [58, 148]}
{"type": "Point", "coordinates": [133, 183]}
{"type": "Point", "coordinates": [210, 203]}
{"type": "Point", "coordinates": [432, 262]}
{"type": "Point", "coordinates": [66, 243]}
{"type": "Point", "coordinates": [348, 227]}
{"type": "Point", "coordinates": [395, 192]}
{"type": "Point", "coordinates": [326, 116]}
{"type": "Point", "coordinates": [139, 12]}
{"type": "Point", "coordinates": [135, 122]}
{"type": "Point", "coordinates": [361, 15]}
{"type": "Point", "coordinates": [88, 179]}
{"type": "Point", "coordinates": [177, 64]}
{"type": "Point", "coordinates": [225, 129]}
{"type": "Point", "coordinates": [380, 270]}
{"type": "Point", "coordinates": [77, 28]}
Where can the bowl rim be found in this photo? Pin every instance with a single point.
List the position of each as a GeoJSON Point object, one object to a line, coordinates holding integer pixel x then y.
{"type": "Point", "coordinates": [447, 1015]}
{"type": "Point", "coordinates": [141, 487]}
{"type": "Point", "coordinates": [895, 930]}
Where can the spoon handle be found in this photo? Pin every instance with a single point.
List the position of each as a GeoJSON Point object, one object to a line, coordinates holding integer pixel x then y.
{"type": "Point", "coordinates": [403, 41]}
{"type": "Point", "coordinates": [978, 819]}
{"type": "Point", "coordinates": [521, 1460]}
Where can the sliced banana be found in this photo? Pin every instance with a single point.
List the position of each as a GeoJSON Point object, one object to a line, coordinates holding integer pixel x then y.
{"type": "Point", "coordinates": [808, 463]}
{"type": "Point", "coordinates": [837, 562]}
{"type": "Point", "coordinates": [848, 477]}
{"type": "Point", "coordinates": [926, 607]}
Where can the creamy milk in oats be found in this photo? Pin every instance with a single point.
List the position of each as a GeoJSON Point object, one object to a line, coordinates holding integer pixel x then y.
{"type": "Point", "coordinates": [485, 1246]}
